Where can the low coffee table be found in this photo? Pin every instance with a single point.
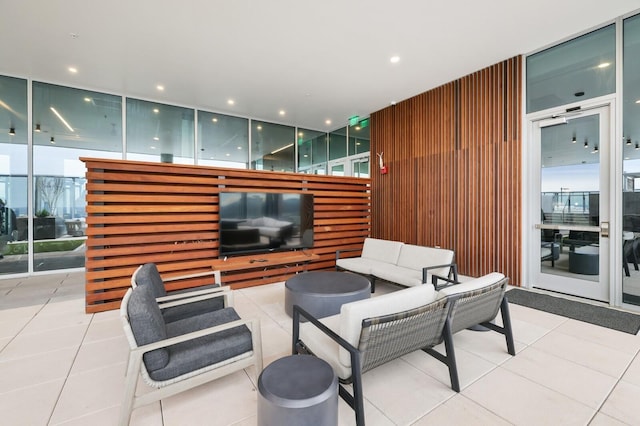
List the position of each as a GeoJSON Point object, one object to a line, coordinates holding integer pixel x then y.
{"type": "Point", "coordinates": [322, 293]}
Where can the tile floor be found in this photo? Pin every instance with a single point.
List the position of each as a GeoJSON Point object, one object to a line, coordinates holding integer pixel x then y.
{"type": "Point", "coordinates": [60, 366]}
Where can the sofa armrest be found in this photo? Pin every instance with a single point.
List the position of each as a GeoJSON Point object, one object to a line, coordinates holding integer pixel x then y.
{"type": "Point", "coordinates": [451, 278]}
{"type": "Point", "coordinates": [297, 312]}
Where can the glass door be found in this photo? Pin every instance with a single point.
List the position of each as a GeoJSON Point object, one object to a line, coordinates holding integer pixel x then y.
{"type": "Point", "coordinates": [570, 241]}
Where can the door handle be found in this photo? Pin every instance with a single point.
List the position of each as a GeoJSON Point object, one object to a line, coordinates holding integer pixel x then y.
{"type": "Point", "coordinates": [604, 229]}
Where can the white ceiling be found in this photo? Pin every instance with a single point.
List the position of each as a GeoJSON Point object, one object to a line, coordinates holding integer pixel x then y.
{"type": "Point", "coordinates": [315, 60]}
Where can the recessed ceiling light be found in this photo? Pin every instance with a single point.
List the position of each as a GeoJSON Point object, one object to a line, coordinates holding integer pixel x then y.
{"type": "Point", "coordinates": [306, 155]}
{"type": "Point", "coordinates": [604, 65]}
{"type": "Point", "coordinates": [327, 122]}
{"type": "Point", "coordinates": [156, 110]}
{"type": "Point", "coordinates": [626, 158]}
{"type": "Point", "coordinates": [281, 112]}
{"type": "Point", "coordinates": [638, 101]}
{"type": "Point", "coordinates": [228, 155]}
{"type": "Point", "coordinates": [155, 138]}
{"type": "Point", "coordinates": [357, 127]}
{"type": "Point", "coordinates": [160, 87]}
{"type": "Point", "coordinates": [231, 101]}
{"type": "Point", "coordinates": [240, 148]}
{"type": "Point", "coordinates": [87, 99]}
{"type": "Point", "coordinates": [73, 70]}
{"type": "Point", "coordinates": [215, 120]}
{"type": "Point", "coordinates": [152, 147]}
{"type": "Point", "coordinates": [300, 134]}
{"type": "Point", "coordinates": [394, 59]}
{"type": "Point", "coordinates": [259, 127]}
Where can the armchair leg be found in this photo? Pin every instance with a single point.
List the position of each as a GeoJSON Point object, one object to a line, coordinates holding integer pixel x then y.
{"type": "Point", "coordinates": [450, 359]}
{"type": "Point", "coordinates": [131, 379]}
{"type": "Point", "coordinates": [358, 399]}
{"type": "Point", "coordinates": [506, 323]}
{"type": "Point", "coordinates": [506, 328]}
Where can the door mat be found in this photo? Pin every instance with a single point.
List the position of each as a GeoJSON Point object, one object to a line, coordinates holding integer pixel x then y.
{"type": "Point", "coordinates": [598, 315]}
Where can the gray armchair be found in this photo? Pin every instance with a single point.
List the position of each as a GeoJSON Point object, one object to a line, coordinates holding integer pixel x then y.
{"type": "Point", "coordinates": [148, 275]}
{"type": "Point", "coordinates": [175, 356]}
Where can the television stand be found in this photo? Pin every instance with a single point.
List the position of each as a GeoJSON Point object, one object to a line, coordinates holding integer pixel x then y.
{"type": "Point", "coordinates": [256, 269]}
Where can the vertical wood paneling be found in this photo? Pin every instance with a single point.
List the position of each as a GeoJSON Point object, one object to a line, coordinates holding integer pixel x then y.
{"type": "Point", "coordinates": [168, 214]}
{"type": "Point", "coordinates": [454, 170]}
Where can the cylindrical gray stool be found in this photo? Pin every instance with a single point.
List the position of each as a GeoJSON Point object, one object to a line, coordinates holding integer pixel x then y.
{"type": "Point", "coordinates": [298, 390]}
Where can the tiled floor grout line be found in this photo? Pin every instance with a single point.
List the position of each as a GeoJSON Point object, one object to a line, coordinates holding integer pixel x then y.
{"type": "Point", "coordinates": [613, 388]}
{"type": "Point", "coordinates": [75, 357]}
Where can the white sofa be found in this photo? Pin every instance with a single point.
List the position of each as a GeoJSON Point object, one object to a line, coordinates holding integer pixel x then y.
{"type": "Point", "coordinates": [405, 264]}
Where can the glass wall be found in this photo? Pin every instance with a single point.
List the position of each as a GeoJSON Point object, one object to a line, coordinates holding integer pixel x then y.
{"type": "Point", "coordinates": [13, 174]}
{"type": "Point", "coordinates": [631, 162]}
{"type": "Point", "coordinates": [223, 140]}
{"type": "Point", "coordinates": [359, 139]}
{"type": "Point", "coordinates": [272, 147]}
{"type": "Point", "coordinates": [312, 151]}
{"type": "Point", "coordinates": [338, 144]}
{"type": "Point", "coordinates": [579, 69]}
{"type": "Point", "coordinates": [67, 124]}
{"type": "Point", "coordinates": [159, 131]}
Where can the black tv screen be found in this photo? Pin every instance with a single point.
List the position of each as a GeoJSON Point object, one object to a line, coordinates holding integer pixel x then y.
{"type": "Point", "coordinates": [265, 221]}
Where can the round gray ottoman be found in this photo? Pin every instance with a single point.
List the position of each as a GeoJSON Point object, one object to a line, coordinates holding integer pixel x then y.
{"type": "Point", "coordinates": [298, 390]}
{"type": "Point", "coordinates": [322, 293]}
{"type": "Point", "coordinates": [585, 260]}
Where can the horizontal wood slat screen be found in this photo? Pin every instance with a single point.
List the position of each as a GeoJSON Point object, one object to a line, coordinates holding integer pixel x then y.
{"type": "Point", "coordinates": [168, 214]}
{"type": "Point", "coordinates": [454, 180]}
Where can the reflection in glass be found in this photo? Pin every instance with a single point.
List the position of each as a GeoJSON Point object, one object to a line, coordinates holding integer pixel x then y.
{"type": "Point", "coordinates": [223, 140]}
{"type": "Point", "coordinates": [272, 146]}
{"type": "Point", "coordinates": [570, 185]}
{"type": "Point", "coordinates": [68, 124]}
{"type": "Point", "coordinates": [361, 169]}
{"type": "Point", "coordinates": [159, 132]}
{"type": "Point", "coordinates": [13, 174]}
{"type": "Point", "coordinates": [338, 144]}
{"type": "Point", "coordinates": [312, 151]}
{"type": "Point", "coordinates": [359, 139]}
{"type": "Point", "coordinates": [631, 163]}
{"type": "Point", "coordinates": [579, 69]}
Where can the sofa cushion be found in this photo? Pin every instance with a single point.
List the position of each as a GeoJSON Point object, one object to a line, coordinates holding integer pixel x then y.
{"type": "Point", "coordinates": [418, 257]}
{"type": "Point", "coordinates": [381, 250]}
{"type": "Point", "coordinates": [147, 325]}
{"type": "Point", "coordinates": [352, 314]}
{"type": "Point", "coordinates": [397, 274]}
{"type": "Point", "coordinates": [323, 346]}
{"type": "Point", "coordinates": [357, 264]}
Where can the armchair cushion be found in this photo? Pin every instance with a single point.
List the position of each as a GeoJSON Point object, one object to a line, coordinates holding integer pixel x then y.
{"type": "Point", "coordinates": [148, 274]}
{"type": "Point", "coordinates": [147, 325]}
{"type": "Point", "coordinates": [359, 265]}
{"type": "Point", "coordinates": [471, 284]}
{"type": "Point", "coordinates": [189, 356]}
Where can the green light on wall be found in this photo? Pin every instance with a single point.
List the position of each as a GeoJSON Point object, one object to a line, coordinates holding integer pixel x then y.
{"type": "Point", "coordinates": [364, 123]}
{"type": "Point", "coordinates": [353, 120]}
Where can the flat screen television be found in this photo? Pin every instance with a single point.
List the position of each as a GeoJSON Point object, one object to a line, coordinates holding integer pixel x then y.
{"type": "Point", "coordinates": [265, 221]}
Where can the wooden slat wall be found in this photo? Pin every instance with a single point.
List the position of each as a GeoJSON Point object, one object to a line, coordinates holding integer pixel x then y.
{"type": "Point", "coordinates": [168, 214]}
{"type": "Point", "coordinates": [454, 180]}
